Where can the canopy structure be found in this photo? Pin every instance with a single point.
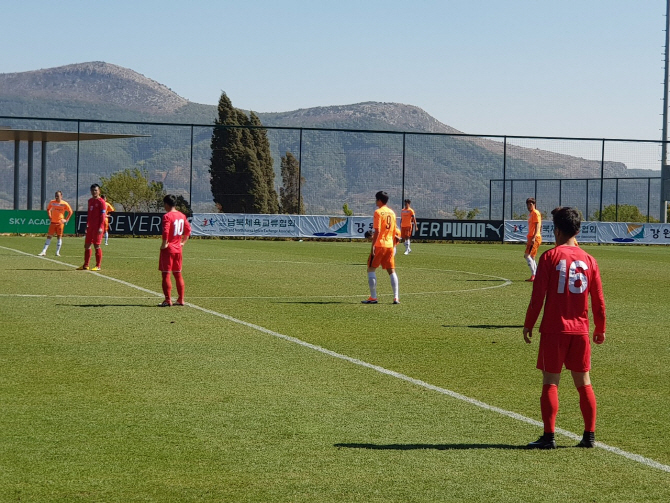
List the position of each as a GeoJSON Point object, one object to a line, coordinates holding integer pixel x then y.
{"type": "Point", "coordinates": [44, 136]}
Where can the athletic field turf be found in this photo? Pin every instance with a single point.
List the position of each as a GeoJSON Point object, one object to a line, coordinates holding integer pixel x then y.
{"type": "Point", "coordinates": [105, 397]}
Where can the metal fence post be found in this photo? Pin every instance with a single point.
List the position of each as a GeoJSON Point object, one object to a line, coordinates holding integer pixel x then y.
{"type": "Point", "coordinates": [602, 178]}
{"type": "Point", "coordinates": [300, 173]}
{"type": "Point", "coordinates": [190, 180]}
{"type": "Point", "coordinates": [76, 202]}
{"type": "Point", "coordinates": [17, 173]}
{"type": "Point", "coordinates": [29, 205]}
{"type": "Point", "coordinates": [402, 203]}
{"type": "Point", "coordinates": [648, 198]}
{"type": "Point", "coordinates": [504, 176]}
{"type": "Point", "coordinates": [616, 201]}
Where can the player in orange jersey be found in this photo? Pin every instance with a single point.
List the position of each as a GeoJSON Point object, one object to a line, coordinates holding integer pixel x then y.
{"type": "Point", "coordinates": [57, 210]}
{"type": "Point", "coordinates": [384, 238]}
{"type": "Point", "coordinates": [407, 225]}
{"type": "Point", "coordinates": [533, 238]}
{"type": "Point", "coordinates": [110, 209]}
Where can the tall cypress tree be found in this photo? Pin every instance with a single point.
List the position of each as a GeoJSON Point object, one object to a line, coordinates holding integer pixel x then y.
{"type": "Point", "coordinates": [291, 202]}
{"type": "Point", "coordinates": [241, 171]}
{"type": "Point", "coordinates": [265, 160]}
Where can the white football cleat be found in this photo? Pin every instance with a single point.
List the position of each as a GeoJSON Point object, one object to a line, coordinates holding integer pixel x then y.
{"type": "Point", "coordinates": [57, 254]}
{"type": "Point", "coordinates": [41, 254]}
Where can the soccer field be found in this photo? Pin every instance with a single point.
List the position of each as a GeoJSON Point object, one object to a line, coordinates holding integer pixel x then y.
{"type": "Point", "coordinates": [276, 384]}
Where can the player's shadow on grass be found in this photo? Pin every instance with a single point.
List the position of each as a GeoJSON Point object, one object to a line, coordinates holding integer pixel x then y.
{"type": "Point", "coordinates": [437, 447]}
{"type": "Point", "coordinates": [108, 305]}
{"type": "Point", "coordinates": [318, 302]}
{"type": "Point", "coordinates": [486, 327]}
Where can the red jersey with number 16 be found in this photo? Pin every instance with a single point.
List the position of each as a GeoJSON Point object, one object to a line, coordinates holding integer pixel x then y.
{"type": "Point", "coordinates": [566, 276]}
{"type": "Point", "coordinates": [175, 226]}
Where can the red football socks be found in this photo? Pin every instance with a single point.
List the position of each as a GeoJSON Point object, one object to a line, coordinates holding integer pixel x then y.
{"type": "Point", "coordinates": [180, 286]}
{"type": "Point", "coordinates": [98, 257]}
{"type": "Point", "coordinates": [587, 403]}
{"type": "Point", "coordinates": [549, 406]}
{"type": "Point", "coordinates": [167, 285]}
{"type": "Point", "coordinates": [87, 257]}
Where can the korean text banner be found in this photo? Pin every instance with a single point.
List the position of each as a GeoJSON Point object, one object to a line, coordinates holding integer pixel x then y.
{"type": "Point", "coordinates": [597, 232]}
{"type": "Point", "coordinates": [290, 226]}
{"type": "Point", "coordinates": [516, 231]}
{"type": "Point", "coordinates": [28, 222]}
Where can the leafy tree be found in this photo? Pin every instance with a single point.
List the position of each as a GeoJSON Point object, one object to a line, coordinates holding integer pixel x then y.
{"type": "Point", "coordinates": [472, 214]}
{"type": "Point", "coordinates": [347, 211]}
{"type": "Point", "coordinates": [131, 189]}
{"type": "Point", "coordinates": [459, 214]}
{"type": "Point", "coordinates": [183, 206]}
{"type": "Point", "coordinates": [239, 173]}
{"type": "Point", "coordinates": [291, 202]}
{"type": "Point", "coordinates": [626, 213]}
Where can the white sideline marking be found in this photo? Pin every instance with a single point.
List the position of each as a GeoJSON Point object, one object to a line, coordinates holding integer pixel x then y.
{"type": "Point", "coordinates": [472, 401]}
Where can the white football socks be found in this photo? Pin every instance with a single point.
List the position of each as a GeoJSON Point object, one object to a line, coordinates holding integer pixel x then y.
{"type": "Point", "coordinates": [46, 245]}
{"type": "Point", "coordinates": [372, 283]}
{"type": "Point", "coordinates": [59, 243]}
{"type": "Point", "coordinates": [394, 285]}
{"type": "Point", "coordinates": [532, 265]}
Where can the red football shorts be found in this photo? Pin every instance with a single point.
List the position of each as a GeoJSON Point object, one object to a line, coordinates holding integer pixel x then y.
{"type": "Point", "coordinates": [56, 229]}
{"type": "Point", "coordinates": [405, 232]}
{"type": "Point", "coordinates": [169, 262]}
{"type": "Point", "coordinates": [573, 350]}
{"type": "Point", "coordinates": [382, 257]}
{"type": "Point", "coordinates": [532, 247]}
{"type": "Point", "coordinates": [93, 236]}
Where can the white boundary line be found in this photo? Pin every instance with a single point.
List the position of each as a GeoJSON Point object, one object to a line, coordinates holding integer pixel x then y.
{"type": "Point", "coordinates": [472, 401]}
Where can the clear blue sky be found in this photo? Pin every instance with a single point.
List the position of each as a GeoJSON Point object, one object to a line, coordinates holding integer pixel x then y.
{"type": "Point", "coordinates": [589, 68]}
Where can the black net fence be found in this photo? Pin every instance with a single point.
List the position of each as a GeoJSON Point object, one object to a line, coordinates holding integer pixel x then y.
{"type": "Point", "coordinates": [445, 175]}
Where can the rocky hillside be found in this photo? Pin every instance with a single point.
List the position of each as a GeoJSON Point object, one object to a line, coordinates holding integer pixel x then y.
{"type": "Point", "coordinates": [94, 83]}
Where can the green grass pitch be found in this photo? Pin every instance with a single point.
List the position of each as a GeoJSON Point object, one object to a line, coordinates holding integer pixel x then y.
{"type": "Point", "coordinates": [105, 397]}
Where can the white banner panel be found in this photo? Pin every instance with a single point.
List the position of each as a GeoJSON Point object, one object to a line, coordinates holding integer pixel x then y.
{"type": "Point", "coordinates": [597, 232]}
{"type": "Point", "coordinates": [290, 226]}
{"type": "Point", "coordinates": [633, 233]}
{"type": "Point", "coordinates": [516, 231]}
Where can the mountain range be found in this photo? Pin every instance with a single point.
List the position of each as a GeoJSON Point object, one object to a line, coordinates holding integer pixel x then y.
{"type": "Point", "coordinates": [103, 91]}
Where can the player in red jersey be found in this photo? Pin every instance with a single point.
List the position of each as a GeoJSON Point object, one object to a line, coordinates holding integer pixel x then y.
{"type": "Point", "coordinates": [176, 231]}
{"type": "Point", "coordinates": [566, 277]}
{"type": "Point", "coordinates": [95, 224]}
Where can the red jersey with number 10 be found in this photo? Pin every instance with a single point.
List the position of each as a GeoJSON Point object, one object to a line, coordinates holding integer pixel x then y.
{"type": "Point", "coordinates": [175, 226]}
{"type": "Point", "coordinates": [566, 276]}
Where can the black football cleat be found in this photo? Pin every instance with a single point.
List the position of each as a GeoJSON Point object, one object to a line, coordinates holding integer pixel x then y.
{"type": "Point", "coordinates": [588, 440]}
{"type": "Point", "coordinates": [546, 441]}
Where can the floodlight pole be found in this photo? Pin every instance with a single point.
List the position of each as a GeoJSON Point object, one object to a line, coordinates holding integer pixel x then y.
{"type": "Point", "coordinates": [665, 169]}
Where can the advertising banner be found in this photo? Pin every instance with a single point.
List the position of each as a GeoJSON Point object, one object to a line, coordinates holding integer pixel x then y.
{"type": "Point", "coordinates": [290, 226]}
{"type": "Point", "coordinates": [633, 233]}
{"type": "Point", "coordinates": [459, 230]}
{"type": "Point", "coordinates": [136, 224]}
{"type": "Point", "coordinates": [597, 232]}
{"type": "Point", "coordinates": [28, 222]}
{"type": "Point", "coordinates": [516, 231]}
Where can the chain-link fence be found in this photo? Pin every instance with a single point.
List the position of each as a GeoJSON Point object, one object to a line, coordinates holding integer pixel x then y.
{"type": "Point", "coordinates": [445, 175]}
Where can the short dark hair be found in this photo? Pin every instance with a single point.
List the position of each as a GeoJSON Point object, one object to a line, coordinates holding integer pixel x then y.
{"type": "Point", "coordinates": [170, 200]}
{"type": "Point", "coordinates": [58, 192]}
{"type": "Point", "coordinates": [407, 201]}
{"type": "Point", "coordinates": [530, 200]}
{"type": "Point", "coordinates": [368, 234]}
{"type": "Point", "coordinates": [94, 186]}
{"type": "Point", "coordinates": [567, 220]}
{"type": "Point", "coordinates": [382, 196]}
